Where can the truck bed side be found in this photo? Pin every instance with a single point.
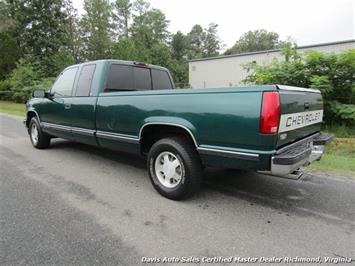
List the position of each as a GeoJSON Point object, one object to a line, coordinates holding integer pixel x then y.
{"type": "Point", "coordinates": [225, 119]}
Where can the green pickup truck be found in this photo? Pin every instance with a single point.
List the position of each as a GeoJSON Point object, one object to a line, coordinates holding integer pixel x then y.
{"type": "Point", "coordinates": [133, 107]}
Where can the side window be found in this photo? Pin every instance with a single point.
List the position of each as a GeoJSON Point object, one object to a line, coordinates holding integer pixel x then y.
{"type": "Point", "coordinates": [161, 80]}
{"type": "Point", "coordinates": [142, 79]}
{"type": "Point", "coordinates": [119, 78]}
{"type": "Point", "coordinates": [85, 79]}
{"type": "Point", "coordinates": [64, 84]}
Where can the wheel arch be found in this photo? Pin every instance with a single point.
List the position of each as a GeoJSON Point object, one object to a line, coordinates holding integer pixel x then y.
{"type": "Point", "coordinates": [151, 132]}
{"type": "Point", "coordinates": [31, 113]}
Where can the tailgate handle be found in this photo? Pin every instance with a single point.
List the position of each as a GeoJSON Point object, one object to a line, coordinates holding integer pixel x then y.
{"type": "Point", "coordinates": [306, 106]}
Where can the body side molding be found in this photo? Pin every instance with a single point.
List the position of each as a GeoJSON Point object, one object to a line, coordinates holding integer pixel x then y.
{"type": "Point", "coordinates": [114, 136]}
{"type": "Point", "coordinates": [229, 154]}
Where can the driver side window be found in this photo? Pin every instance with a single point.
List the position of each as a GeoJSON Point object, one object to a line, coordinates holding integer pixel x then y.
{"type": "Point", "coordinates": [63, 86]}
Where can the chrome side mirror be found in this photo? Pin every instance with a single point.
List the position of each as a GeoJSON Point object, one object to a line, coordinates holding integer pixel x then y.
{"type": "Point", "coordinates": [39, 94]}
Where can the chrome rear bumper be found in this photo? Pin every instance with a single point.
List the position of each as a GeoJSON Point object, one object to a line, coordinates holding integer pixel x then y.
{"type": "Point", "coordinates": [289, 159]}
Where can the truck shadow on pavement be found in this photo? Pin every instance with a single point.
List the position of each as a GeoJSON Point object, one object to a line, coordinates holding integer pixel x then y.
{"type": "Point", "coordinates": [312, 195]}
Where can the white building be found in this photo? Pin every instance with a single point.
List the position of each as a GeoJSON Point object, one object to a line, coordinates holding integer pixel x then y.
{"type": "Point", "coordinates": [227, 71]}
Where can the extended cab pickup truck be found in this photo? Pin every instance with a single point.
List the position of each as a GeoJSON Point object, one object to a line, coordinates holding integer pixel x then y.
{"type": "Point", "coordinates": [133, 107]}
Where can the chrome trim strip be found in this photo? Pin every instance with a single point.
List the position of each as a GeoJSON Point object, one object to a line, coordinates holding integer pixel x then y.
{"type": "Point", "coordinates": [168, 124]}
{"type": "Point", "coordinates": [113, 136]}
{"type": "Point", "coordinates": [229, 154]}
{"type": "Point", "coordinates": [291, 88]}
{"type": "Point", "coordinates": [55, 126]}
{"type": "Point", "coordinates": [77, 130]}
{"type": "Point", "coordinates": [89, 132]}
{"type": "Point", "coordinates": [297, 143]}
{"type": "Point", "coordinates": [83, 131]}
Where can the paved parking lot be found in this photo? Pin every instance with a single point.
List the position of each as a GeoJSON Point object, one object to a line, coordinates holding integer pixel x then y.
{"type": "Point", "coordinates": [76, 204]}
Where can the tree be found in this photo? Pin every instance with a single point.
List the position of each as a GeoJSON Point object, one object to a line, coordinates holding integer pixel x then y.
{"type": "Point", "coordinates": [125, 49]}
{"type": "Point", "coordinates": [151, 26]}
{"type": "Point", "coordinates": [40, 29]}
{"type": "Point", "coordinates": [289, 51]}
{"type": "Point", "coordinates": [123, 14]}
{"type": "Point", "coordinates": [96, 29]}
{"type": "Point", "coordinates": [9, 53]}
{"type": "Point", "coordinates": [203, 42]}
{"type": "Point", "coordinates": [211, 43]}
{"type": "Point", "coordinates": [257, 40]}
{"type": "Point", "coordinates": [195, 39]}
{"type": "Point", "coordinates": [179, 45]}
{"type": "Point", "coordinates": [140, 7]}
{"type": "Point", "coordinates": [24, 79]}
{"type": "Point", "coordinates": [7, 24]}
{"type": "Point", "coordinates": [73, 47]}
{"type": "Point", "coordinates": [9, 50]}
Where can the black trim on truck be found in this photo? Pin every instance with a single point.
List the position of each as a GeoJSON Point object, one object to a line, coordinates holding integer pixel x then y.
{"type": "Point", "coordinates": [293, 155]}
{"type": "Point", "coordinates": [323, 139]}
{"type": "Point", "coordinates": [297, 143]}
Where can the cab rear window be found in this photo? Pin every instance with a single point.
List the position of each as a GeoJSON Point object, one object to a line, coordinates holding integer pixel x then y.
{"type": "Point", "coordinates": [132, 78]}
{"type": "Point", "coordinates": [142, 79]}
{"type": "Point", "coordinates": [161, 80]}
{"type": "Point", "coordinates": [119, 78]}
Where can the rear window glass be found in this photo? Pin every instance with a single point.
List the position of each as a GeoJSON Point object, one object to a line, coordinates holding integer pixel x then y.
{"type": "Point", "coordinates": [161, 80]}
{"type": "Point", "coordinates": [120, 78]}
{"type": "Point", "coordinates": [142, 79]}
{"type": "Point", "coordinates": [85, 79]}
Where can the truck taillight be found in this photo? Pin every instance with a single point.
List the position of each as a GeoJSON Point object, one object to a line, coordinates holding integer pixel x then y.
{"type": "Point", "coordinates": [270, 113]}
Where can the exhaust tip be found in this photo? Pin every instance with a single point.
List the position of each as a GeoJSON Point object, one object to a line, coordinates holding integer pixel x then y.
{"type": "Point", "coordinates": [295, 174]}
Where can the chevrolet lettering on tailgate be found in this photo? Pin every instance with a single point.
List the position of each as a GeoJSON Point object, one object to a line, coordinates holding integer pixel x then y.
{"type": "Point", "coordinates": [297, 120]}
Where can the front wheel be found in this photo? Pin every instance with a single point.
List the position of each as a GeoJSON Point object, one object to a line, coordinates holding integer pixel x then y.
{"type": "Point", "coordinates": [39, 139]}
{"type": "Point", "coordinates": [174, 167]}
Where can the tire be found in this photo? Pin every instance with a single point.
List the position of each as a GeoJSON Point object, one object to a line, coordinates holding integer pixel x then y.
{"type": "Point", "coordinates": [182, 175]}
{"type": "Point", "coordinates": [39, 140]}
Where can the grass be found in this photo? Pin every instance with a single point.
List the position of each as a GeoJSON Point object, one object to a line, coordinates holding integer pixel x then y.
{"type": "Point", "coordinates": [341, 131]}
{"type": "Point", "coordinates": [12, 108]}
{"type": "Point", "coordinates": [339, 155]}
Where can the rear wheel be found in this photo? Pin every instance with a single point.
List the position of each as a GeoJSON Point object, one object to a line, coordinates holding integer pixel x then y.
{"type": "Point", "coordinates": [174, 167]}
{"type": "Point", "coordinates": [39, 139]}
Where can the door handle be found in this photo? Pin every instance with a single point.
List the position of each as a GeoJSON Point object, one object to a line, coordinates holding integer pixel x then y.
{"type": "Point", "coordinates": [67, 106]}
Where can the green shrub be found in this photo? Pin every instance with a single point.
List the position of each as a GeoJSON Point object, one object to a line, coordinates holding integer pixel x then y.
{"type": "Point", "coordinates": [22, 95]}
{"type": "Point", "coordinates": [23, 80]}
{"type": "Point", "coordinates": [333, 74]}
{"type": "Point", "coordinates": [5, 90]}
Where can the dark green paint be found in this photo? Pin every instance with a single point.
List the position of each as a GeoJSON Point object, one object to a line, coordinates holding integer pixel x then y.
{"type": "Point", "coordinates": [294, 102]}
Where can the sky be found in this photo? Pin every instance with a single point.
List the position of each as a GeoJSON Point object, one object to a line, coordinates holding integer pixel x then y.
{"type": "Point", "coordinates": [305, 21]}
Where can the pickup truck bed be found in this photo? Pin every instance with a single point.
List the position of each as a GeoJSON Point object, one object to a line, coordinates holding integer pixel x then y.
{"type": "Point", "coordinates": [271, 128]}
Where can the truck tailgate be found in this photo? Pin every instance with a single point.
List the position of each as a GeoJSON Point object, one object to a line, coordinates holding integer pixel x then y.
{"type": "Point", "coordinates": [301, 113]}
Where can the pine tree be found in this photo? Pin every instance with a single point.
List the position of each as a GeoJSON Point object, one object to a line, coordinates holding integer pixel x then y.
{"type": "Point", "coordinates": [211, 43]}
{"type": "Point", "coordinates": [40, 29]}
{"type": "Point", "coordinates": [96, 29]}
{"type": "Point", "coordinates": [123, 14]}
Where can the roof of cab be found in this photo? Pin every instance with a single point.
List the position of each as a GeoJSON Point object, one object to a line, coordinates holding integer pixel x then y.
{"type": "Point", "coordinates": [122, 62]}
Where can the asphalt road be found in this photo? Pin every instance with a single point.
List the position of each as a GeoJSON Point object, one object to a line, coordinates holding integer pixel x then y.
{"type": "Point", "coordinates": [74, 204]}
